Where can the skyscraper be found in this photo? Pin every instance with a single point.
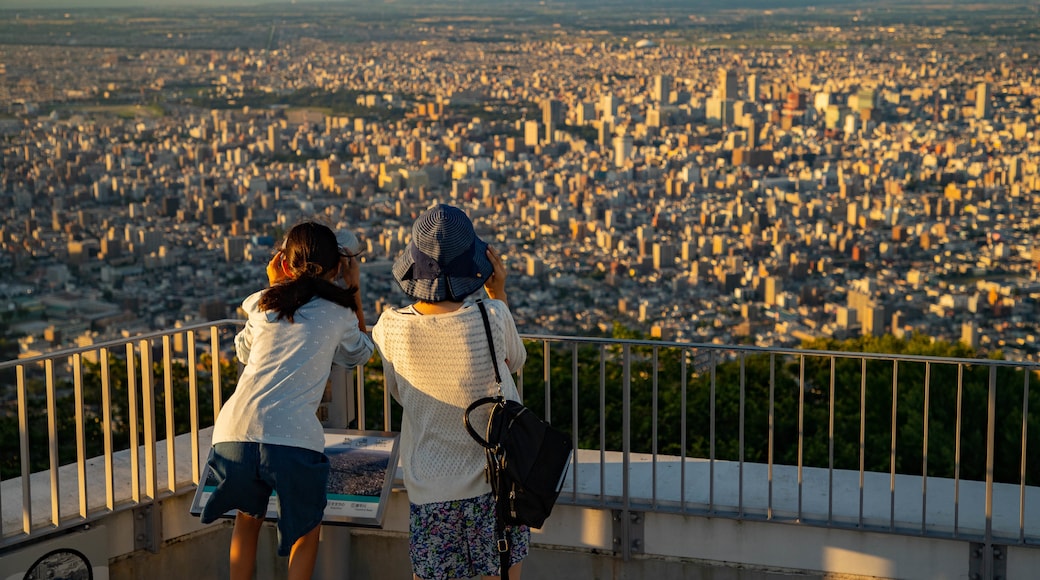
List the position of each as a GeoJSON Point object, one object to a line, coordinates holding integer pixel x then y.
{"type": "Point", "coordinates": [727, 84]}
{"type": "Point", "coordinates": [606, 133]}
{"type": "Point", "coordinates": [662, 88]}
{"type": "Point", "coordinates": [608, 107]}
{"type": "Point", "coordinates": [552, 117]}
{"type": "Point", "coordinates": [622, 149]}
{"type": "Point", "coordinates": [531, 130]}
{"type": "Point", "coordinates": [982, 108]}
{"type": "Point", "coordinates": [274, 139]}
{"type": "Point", "coordinates": [586, 113]}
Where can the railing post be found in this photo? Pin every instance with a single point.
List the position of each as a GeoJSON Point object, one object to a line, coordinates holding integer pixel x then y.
{"type": "Point", "coordinates": [892, 447]}
{"type": "Point", "coordinates": [711, 437]}
{"type": "Point", "coordinates": [81, 444]}
{"type": "Point", "coordinates": [801, 429]}
{"type": "Point", "coordinates": [132, 411]}
{"type": "Point", "coordinates": [340, 404]}
{"type": "Point", "coordinates": [193, 408]}
{"type": "Point", "coordinates": [830, 445]}
{"type": "Point", "coordinates": [574, 421]}
{"type": "Point", "coordinates": [683, 368]}
{"type": "Point", "coordinates": [862, 436]}
{"type": "Point", "coordinates": [772, 434]}
{"type": "Point", "coordinates": [52, 443]}
{"type": "Point", "coordinates": [148, 417]}
{"type": "Point", "coordinates": [23, 445]}
{"type": "Point", "coordinates": [106, 430]}
{"type": "Point", "coordinates": [991, 435]}
{"type": "Point", "coordinates": [171, 429]}
{"type": "Point", "coordinates": [626, 449]}
{"type": "Point", "coordinates": [214, 349]}
{"type": "Point", "coordinates": [359, 397]}
{"type": "Point", "coordinates": [740, 438]}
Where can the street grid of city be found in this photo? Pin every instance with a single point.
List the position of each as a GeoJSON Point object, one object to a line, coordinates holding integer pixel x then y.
{"type": "Point", "coordinates": [723, 176]}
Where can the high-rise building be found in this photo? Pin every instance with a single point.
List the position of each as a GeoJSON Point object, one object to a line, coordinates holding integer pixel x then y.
{"type": "Point", "coordinates": [622, 149]}
{"type": "Point", "coordinates": [982, 107]}
{"type": "Point", "coordinates": [535, 267]}
{"type": "Point", "coordinates": [970, 334]}
{"type": "Point", "coordinates": [773, 287]}
{"type": "Point", "coordinates": [662, 88]}
{"type": "Point", "coordinates": [727, 84]}
{"type": "Point", "coordinates": [653, 117]}
{"type": "Point", "coordinates": [234, 248]}
{"type": "Point", "coordinates": [606, 133]}
{"type": "Point", "coordinates": [274, 139]}
{"type": "Point", "coordinates": [531, 133]}
{"type": "Point", "coordinates": [608, 107]}
{"type": "Point", "coordinates": [586, 113]}
{"type": "Point", "coordinates": [664, 255]}
{"type": "Point", "coordinates": [752, 87]}
{"type": "Point", "coordinates": [552, 117]}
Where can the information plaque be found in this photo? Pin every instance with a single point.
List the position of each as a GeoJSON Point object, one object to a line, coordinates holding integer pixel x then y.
{"type": "Point", "coordinates": [362, 466]}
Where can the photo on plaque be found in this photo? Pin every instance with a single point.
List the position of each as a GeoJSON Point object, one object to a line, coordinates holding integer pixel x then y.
{"type": "Point", "coordinates": [361, 473]}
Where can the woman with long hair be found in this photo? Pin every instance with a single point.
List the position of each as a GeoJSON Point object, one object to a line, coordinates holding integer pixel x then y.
{"type": "Point", "coordinates": [267, 437]}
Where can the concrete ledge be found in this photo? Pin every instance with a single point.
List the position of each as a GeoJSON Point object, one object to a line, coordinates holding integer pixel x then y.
{"type": "Point", "coordinates": [579, 540]}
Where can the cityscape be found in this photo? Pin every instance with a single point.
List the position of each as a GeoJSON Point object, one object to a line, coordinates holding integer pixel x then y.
{"type": "Point", "coordinates": [748, 175]}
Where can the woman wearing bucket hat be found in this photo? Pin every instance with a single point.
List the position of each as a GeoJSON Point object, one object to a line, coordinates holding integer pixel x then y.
{"type": "Point", "coordinates": [436, 361]}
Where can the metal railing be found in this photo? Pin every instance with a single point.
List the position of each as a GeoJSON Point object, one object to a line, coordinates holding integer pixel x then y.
{"type": "Point", "coordinates": [919, 487]}
{"type": "Point", "coordinates": [919, 445]}
{"type": "Point", "coordinates": [117, 418]}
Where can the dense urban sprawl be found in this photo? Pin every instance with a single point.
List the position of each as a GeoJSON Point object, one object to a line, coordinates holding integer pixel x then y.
{"type": "Point", "coordinates": [695, 193]}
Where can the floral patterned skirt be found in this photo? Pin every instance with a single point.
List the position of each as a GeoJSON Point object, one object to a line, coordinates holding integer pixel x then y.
{"type": "Point", "coordinates": [456, 539]}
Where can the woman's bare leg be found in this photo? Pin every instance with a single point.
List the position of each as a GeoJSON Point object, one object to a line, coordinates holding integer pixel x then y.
{"type": "Point", "coordinates": [514, 573]}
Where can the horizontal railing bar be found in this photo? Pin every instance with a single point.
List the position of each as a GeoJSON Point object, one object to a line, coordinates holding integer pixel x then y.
{"type": "Point", "coordinates": [119, 342]}
{"type": "Point", "coordinates": [561, 338]}
{"type": "Point", "coordinates": [784, 351]}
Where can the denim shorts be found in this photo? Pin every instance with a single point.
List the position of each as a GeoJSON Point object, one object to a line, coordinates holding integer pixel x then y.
{"type": "Point", "coordinates": [456, 539]}
{"type": "Point", "coordinates": [247, 473]}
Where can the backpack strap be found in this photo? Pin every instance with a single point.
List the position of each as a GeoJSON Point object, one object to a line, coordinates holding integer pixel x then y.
{"type": "Point", "coordinates": [491, 343]}
{"type": "Point", "coordinates": [493, 445]}
{"type": "Point", "coordinates": [501, 509]}
{"type": "Point", "coordinates": [497, 474]}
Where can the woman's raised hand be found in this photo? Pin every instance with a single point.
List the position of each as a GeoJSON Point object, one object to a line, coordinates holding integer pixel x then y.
{"type": "Point", "coordinates": [276, 269]}
{"type": "Point", "coordinates": [496, 284]}
{"type": "Point", "coordinates": [350, 272]}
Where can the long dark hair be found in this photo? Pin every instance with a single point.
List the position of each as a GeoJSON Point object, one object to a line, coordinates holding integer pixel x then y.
{"type": "Point", "coordinates": [310, 253]}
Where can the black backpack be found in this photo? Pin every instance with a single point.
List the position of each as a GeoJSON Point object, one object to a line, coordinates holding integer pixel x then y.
{"type": "Point", "coordinates": [527, 459]}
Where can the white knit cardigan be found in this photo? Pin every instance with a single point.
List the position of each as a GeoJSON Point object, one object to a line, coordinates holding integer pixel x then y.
{"type": "Point", "coordinates": [435, 365]}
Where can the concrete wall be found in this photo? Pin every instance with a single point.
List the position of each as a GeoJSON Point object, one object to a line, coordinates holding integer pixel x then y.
{"type": "Point", "coordinates": [575, 544]}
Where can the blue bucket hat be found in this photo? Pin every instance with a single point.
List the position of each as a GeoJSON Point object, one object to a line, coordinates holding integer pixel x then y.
{"type": "Point", "coordinates": [445, 260]}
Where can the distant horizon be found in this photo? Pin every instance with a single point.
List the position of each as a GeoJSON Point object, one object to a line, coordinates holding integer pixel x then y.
{"type": "Point", "coordinates": [14, 5]}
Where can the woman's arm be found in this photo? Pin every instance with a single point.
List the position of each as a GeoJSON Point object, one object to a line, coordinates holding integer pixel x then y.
{"type": "Point", "coordinates": [355, 348]}
{"type": "Point", "coordinates": [516, 354]}
{"type": "Point", "coordinates": [496, 284]}
{"type": "Point", "coordinates": [389, 376]}
{"type": "Point", "coordinates": [350, 270]}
